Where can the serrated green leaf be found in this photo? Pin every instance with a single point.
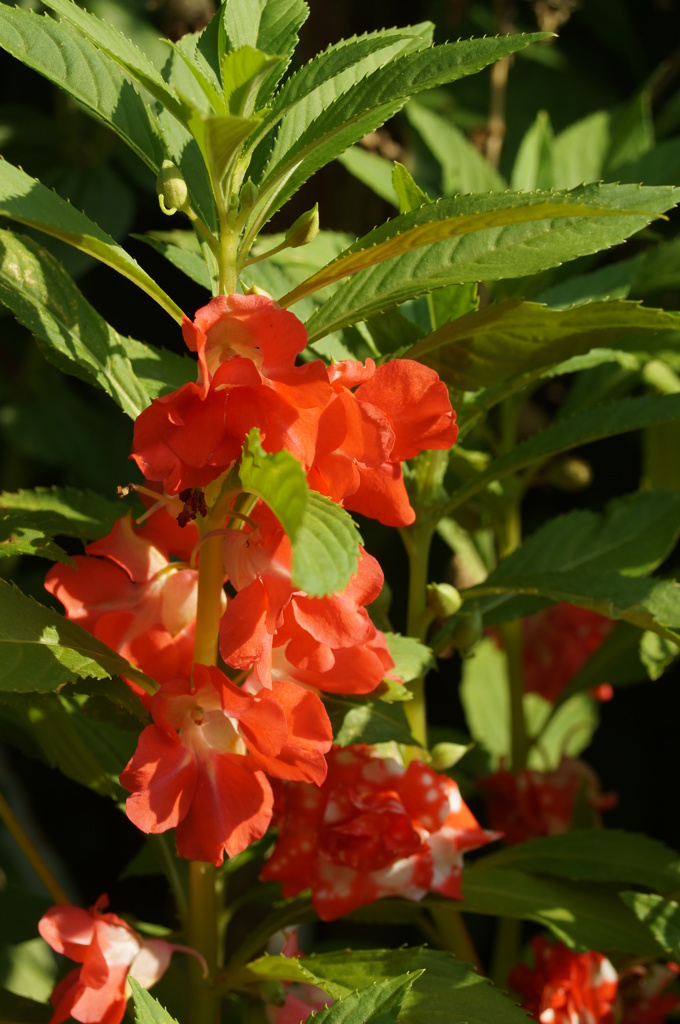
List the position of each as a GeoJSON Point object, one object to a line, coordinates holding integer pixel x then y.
{"type": "Point", "coordinates": [593, 855]}
{"type": "Point", "coordinates": [300, 150]}
{"type": "Point", "coordinates": [220, 139]}
{"type": "Point", "coordinates": [158, 370]}
{"type": "Point", "coordinates": [25, 200]}
{"type": "Point", "coordinates": [412, 659]}
{"type": "Point", "coordinates": [17, 537]}
{"type": "Point", "coordinates": [534, 163]}
{"type": "Point", "coordinates": [147, 1009]}
{"type": "Point", "coordinates": [580, 151]}
{"type": "Point", "coordinates": [326, 547]}
{"type": "Point", "coordinates": [122, 51]}
{"type": "Point", "coordinates": [278, 479]}
{"type": "Point", "coordinates": [661, 916]}
{"type": "Point", "coordinates": [40, 650]}
{"type": "Point", "coordinates": [409, 193]}
{"type": "Point", "coordinates": [507, 340]}
{"type": "Point", "coordinates": [182, 257]}
{"type": "Point", "coordinates": [475, 238]}
{"type": "Point", "coordinates": [243, 72]}
{"type": "Point", "coordinates": [378, 1003]}
{"type": "Point", "coordinates": [449, 992]}
{"type": "Point", "coordinates": [613, 281]}
{"type": "Point", "coordinates": [581, 914]}
{"type": "Point", "coordinates": [464, 168]}
{"type": "Point", "coordinates": [361, 720]}
{"type": "Point", "coordinates": [62, 54]}
{"type": "Point", "coordinates": [589, 425]}
{"type": "Point", "coordinates": [271, 26]}
{"type": "Point", "coordinates": [72, 335]}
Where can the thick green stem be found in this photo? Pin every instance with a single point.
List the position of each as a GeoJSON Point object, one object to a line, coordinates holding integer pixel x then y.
{"type": "Point", "coordinates": [453, 935]}
{"type": "Point", "coordinates": [511, 635]}
{"type": "Point", "coordinates": [30, 852]}
{"type": "Point", "coordinates": [209, 606]}
{"type": "Point", "coordinates": [203, 1002]}
{"type": "Point", "coordinates": [508, 937]}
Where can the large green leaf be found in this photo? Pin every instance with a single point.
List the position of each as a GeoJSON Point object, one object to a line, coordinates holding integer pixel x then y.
{"type": "Point", "coordinates": [63, 55]}
{"type": "Point", "coordinates": [46, 300]}
{"type": "Point", "coordinates": [507, 340]}
{"type": "Point", "coordinates": [593, 855]}
{"type": "Point", "coordinates": [476, 238]}
{"type": "Point", "coordinates": [30, 519]}
{"type": "Point", "coordinates": [585, 915]}
{"type": "Point", "coordinates": [378, 1003]}
{"type": "Point", "coordinates": [278, 479]}
{"type": "Point", "coordinates": [40, 650]}
{"type": "Point", "coordinates": [115, 45]}
{"type": "Point", "coordinates": [590, 425]}
{"type": "Point", "coordinates": [448, 992]}
{"type": "Point", "coordinates": [147, 1009]}
{"type": "Point", "coordinates": [300, 150]}
{"type": "Point", "coordinates": [326, 547]}
{"type": "Point", "coordinates": [24, 199]}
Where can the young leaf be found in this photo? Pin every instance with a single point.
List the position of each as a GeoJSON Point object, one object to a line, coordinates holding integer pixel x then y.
{"type": "Point", "coordinates": [507, 340]}
{"type": "Point", "coordinates": [585, 915]}
{"type": "Point", "coordinates": [593, 855]}
{"type": "Point", "coordinates": [278, 479]}
{"type": "Point", "coordinates": [378, 1003]}
{"type": "Point", "coordinates": [449, 992]}
{"type": "Point", "coordinates": [326, 547]}
{"type": "Point", "coordinates": [464, 169]}
{"type": "Point", "coordinates": [24, 199]}
{"type": "Point", "coordinates": [475, 238]}
{"type": "Point", "coordinates": [40, 650]}
{"type": "Point", "coordinates": [243, 72]}
{"type": "Point", "coordinates": [661, 916]}
{"type": "Point", "coordinates": [300, 150]}
{"type": "Point", "coordinates": [358, 720]}
{"type": "Point", "coordinates": [147, 1009]}
{"type": "Point", "coordinates": [62, 54]}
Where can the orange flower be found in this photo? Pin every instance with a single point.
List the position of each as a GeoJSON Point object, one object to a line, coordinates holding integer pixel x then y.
{"type": "Point", "coordinates": [564, 987]}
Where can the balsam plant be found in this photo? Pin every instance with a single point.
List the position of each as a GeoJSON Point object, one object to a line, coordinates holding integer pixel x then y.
{"type": "Point", "coordinates": [265, 727]}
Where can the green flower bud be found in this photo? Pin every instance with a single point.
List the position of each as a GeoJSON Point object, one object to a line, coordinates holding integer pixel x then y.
{"type": "Point", "coordinates": [570, 474]}
{"type": "Point", "coordinates": [445, 755]}
{"type": "Point", "coordinates": [305, 229]}
{"type": "Point", "coordinates": [443, 599]}
{"type": "Point", "coordinates": [173, 194]}
{"type": "Point", "coordinates": [467, 632]}
{"type": "Point", "coordinates": [248, 196]}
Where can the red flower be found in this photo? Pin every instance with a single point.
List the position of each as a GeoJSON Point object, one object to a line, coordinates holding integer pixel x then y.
{"type": "Point", "coordinates": [534, 804]}
{"type": "Point", "coordinates": [328, 643]}
{"type": "Point", "coordinates": [110, 952]}
{"type": "Point", "coordinates": [129, 591]}
{"type": "Point", "coordinates": [202, 767]}
{"type": "Point", "coordinates": [351, 443]}
{"type": "Point", "coordinates": [557, 643]}
{"type": "Point", "coordinates": [374, 829]}
{"type": "Point", "coordinates": [564, 987]}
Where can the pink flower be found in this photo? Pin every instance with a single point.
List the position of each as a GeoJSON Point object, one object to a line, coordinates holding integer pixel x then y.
{"type": "Point", "coordinates": [202, 767]}
{"type": "Point", "coordinates": [110, 952]}
{"type": "Point", "coordinates": [534, 803]}
{"type": "Point", "coordinates": [564, 987]}
{"type": "Point", "coordinates": [374, 829]}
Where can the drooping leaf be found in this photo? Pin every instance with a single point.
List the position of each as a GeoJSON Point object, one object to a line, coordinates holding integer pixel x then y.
{"type": "Point", "coordinates": [147, 1009]}
{"type": "Point", "coordinates": [61, 53]}
{"type": "Point", "coordinates": [300, 151]}
{"type": "Point", "coordinates": [448, 992]}
{"type": "Point", "coordinates": [581, 914]}
{"type": "Point", "coordinates": [475, 238]}
{"type": "Point", "coordinates": [464, 168]}
{"type": "Point", "coordinates": [46, 300]}
{"type": "Point", "coordinates": [510, 339]}
{"type": "Point", "coordinates": [361, 720]}
{"type": "Point", "coordinates": [326, 547]}
{"type": "Point", "coordinates": [278, 479]}
{"type": "Point", "coordinates": [593, 855]}
{"type": "Point", "coordinates": [25, 200]}
{"type": "Point", "coordinates": [40, 650]}
{"type": "Point", "coordinates": [378, 1003]}
{"type": "Point", "coordinates": [661, 916]}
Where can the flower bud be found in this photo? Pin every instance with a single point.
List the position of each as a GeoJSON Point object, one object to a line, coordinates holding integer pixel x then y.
{"type": "Point", "coordinates": [173, 194]}
{"type": "Point", "coordinates": [445, 755]}
{"type": "Point", "coordinates": [570, 474]}
{"type": "Point", "coordinates": [467, 632]}
{"type": "Point", "coordinates": [305, 229]}
{"type": "Point", "coordinates": [248, 196]}
{"type": "Point", "coordinates": [443, 599]}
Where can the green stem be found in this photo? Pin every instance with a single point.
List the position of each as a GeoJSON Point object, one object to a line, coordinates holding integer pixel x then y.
{"type": "Point", "coordinates": [168, 859]}
{"type": "Point", "coordinates": [506, 946]}
{"type": "Point", "coordinates": [511, 636]}
{"type": "Point", "coordinates": [30, 852]}
{"type": "Point", "coordinates": [417, 540]}
{"type": "Point", "coordinates": [203, 1000]}
{"type": "Point", "coordinates": [209, 604]}
{"type": "Point", "coordinates": [453, 934]}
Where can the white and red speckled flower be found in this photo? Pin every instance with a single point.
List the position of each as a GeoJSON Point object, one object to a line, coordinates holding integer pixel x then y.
{"type": "Point", "coordinates": [374, 829]}
{"type": "Point", "coordinates": [564, 987]}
